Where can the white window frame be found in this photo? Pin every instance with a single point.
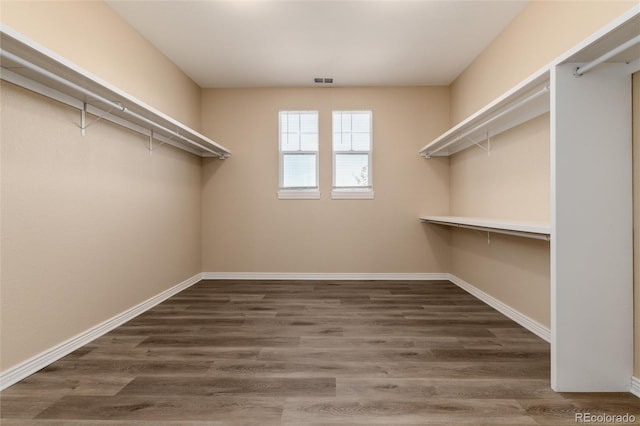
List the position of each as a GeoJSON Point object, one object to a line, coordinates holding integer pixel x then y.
{"type": "Point", "coordinates": [353, 193]}
{"type": "Point", "coordinates": [295, 193]}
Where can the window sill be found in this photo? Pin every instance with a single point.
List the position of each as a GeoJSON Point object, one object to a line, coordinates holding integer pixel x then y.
{"type": "Point", "coordinates": [352, 194]}
{"type": "Point", "coordinates": [298, 194]}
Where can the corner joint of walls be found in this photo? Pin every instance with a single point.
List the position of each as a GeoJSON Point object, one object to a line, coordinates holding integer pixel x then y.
{"type": "Point", "coordinates": [517, 316]}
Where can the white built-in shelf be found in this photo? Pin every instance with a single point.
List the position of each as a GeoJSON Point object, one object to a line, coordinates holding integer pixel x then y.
{"type": "Point", "coordinates": [526, 101]}
{"type": "Point", "coordinates": [531, 98]}
{"type": "Point", "coordinates": [536, 230]}
{"type": "Point", "coordinates": [29, 65]}
{"type": "Point", "coordinates": [618, 42]}
{"type": "Point", "coordinates": [589, 101]}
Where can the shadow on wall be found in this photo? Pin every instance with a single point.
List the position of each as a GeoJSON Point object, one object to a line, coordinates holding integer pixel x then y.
{"type": "Point", "coordinates": [210, 167]}
{"type": "Point", "coordinates": [442, 238]}
{"type": "Point", "coordinates": [516, 253]}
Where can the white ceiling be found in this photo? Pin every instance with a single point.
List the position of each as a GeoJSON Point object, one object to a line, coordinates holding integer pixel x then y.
{"type": "Point", "coordinates": [262, 43]}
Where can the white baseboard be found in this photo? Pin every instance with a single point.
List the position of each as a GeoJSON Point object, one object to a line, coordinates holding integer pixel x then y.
{"type": "Point", "coordinates": [30, 366]}
{"type": "Point", "coordinates": [528, 323]}
{"type": "Point", "coordinates": [400, 276]}
{"type": "Point", "coordinates": [635, 386]}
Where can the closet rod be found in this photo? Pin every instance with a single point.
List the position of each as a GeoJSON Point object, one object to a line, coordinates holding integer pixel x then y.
{"type": "Point", "coordinates": [116, 106]}
{"type": "Point", "coordinates": [610, 54]}
{"type": "Point", "coordinates": [524, 234]}
{"type": "Point", "coordinates": [524, 101]}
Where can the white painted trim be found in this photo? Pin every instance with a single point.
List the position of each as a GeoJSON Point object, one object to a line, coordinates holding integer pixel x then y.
{"type": "Point", "coordinates": [56, 95]}
{"type": "Point", "coordinates": [335, 153]}
{"type": "Point", "coordinates": [298, 194]}
{"type": "Point", "coordinates": [290, 194]}
{"type": "Point", "coordinates": [617, 23]}
{"type": "Point", "coordinates": [18, 44]}
{"type": "Point", "coordinates": [635, 386]}
{"type": "Point", "coordinates": [32, 365]}
{"type": "Point", "coordinates": [633, 66]}
{"type": "Point", "coordinates": [528, 323]}
{"type": "Point", "coordinates": [352, 194]}
{"type": "Point", "coordinates": [584, 256]}
{"type": "Point", "coordinates": [418, 276]}
{"type": "Point", "coordinates": [517, 316]}
{"type": "Point", "coordinates": [543, 228]}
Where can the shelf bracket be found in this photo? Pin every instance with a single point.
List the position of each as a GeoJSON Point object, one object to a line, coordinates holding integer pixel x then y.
{"type": "Point", "coordinates": [151, 147]}
{"type": "Point", "coordinates": [478, 144]}
{"type": "Point", "coordinates": [83, 118]}
{"type": "Point", "coordinates": [479, 231]}
{"type": "Point", "coordinates": [489, 230]}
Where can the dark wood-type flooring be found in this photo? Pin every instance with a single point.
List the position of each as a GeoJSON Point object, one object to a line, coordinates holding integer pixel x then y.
{"type": "Point", "coordinates": [308, 353]}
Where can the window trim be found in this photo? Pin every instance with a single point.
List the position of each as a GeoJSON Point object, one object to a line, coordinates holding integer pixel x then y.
{"type": "Point", "coordinates": [351, 192]}
{"type": "Point", "coordinates": [290, 193]}
{"type": "Point", "coordinates": [298, 194]}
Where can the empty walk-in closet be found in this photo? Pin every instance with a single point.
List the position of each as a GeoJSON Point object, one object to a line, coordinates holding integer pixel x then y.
{"type": "Point", "coordinates": [319, 212]}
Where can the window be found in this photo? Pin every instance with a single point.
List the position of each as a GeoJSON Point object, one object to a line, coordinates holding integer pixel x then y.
{"type": "Point", "coordinates": [298, 154]}
{"type": "Point", "coordinates": [352, 154]}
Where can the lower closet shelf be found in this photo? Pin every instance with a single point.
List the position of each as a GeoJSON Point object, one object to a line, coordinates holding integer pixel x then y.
{"type": "Point", "coordinates": [536, 230]}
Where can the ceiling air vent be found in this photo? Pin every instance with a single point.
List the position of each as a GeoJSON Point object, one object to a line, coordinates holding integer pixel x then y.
{"type": "Point", "coordinates": [320, 80]}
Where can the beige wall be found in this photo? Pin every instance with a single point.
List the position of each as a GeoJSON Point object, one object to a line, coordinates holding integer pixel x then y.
{"type": "Point", "coordinates": [92, 35]}
{"type": "Point", "coordinates": [247, 229]}
{"type": "Point", "coordinates": [91, 225]}
{"type": "Point", "coordinates": [538, 35]}
{"type": "Point", "coordinates": [513, 270]}
{"type": "Point", "coordinates": [513, 183]}
{"type": "Point", "coordinates": [636, 217]}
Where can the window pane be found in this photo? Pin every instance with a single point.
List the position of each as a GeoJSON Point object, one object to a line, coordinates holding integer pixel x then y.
{"type": "Point", "coordinates": [299, 171]}
{"type": "Point", "coordinates": [337, 122]}
{"type": "Point", "coordinates": [361, 141]}
{"type": "Point", "coordinates": [361, 123]}
{"type": "Point", "coordinates": [309, 142]}
{"type": "Point", "coordinates": [346, 123]}
{"type": "Point", "coordinates": [309, 123]}
{"type": "Point", "coordinates": [342, 142]}
{"type": "Point", "coordinates": [337, 141]}
{"type": "Point", "coordinates": [298, 131]}
{"type": "Point", "coordinates": [294, 123]}
{"type": "Point", "coordinates": [352, 170]}
{"type": "Point", "coordinates": [290, 142]}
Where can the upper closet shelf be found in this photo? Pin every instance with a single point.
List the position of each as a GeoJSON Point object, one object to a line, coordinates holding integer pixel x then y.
{"type": "Point", "coordinates": [618, 42]}
{"type": "Point", "coordinates": [526, 101]}
{"type": "Point", "coordinates": [536, 230]}
{"type": "Point", "coordinates": [29, 65]}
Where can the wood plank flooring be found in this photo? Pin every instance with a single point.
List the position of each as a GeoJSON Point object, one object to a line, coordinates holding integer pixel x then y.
{"type": "Point", "coordinates": [308, 353]}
